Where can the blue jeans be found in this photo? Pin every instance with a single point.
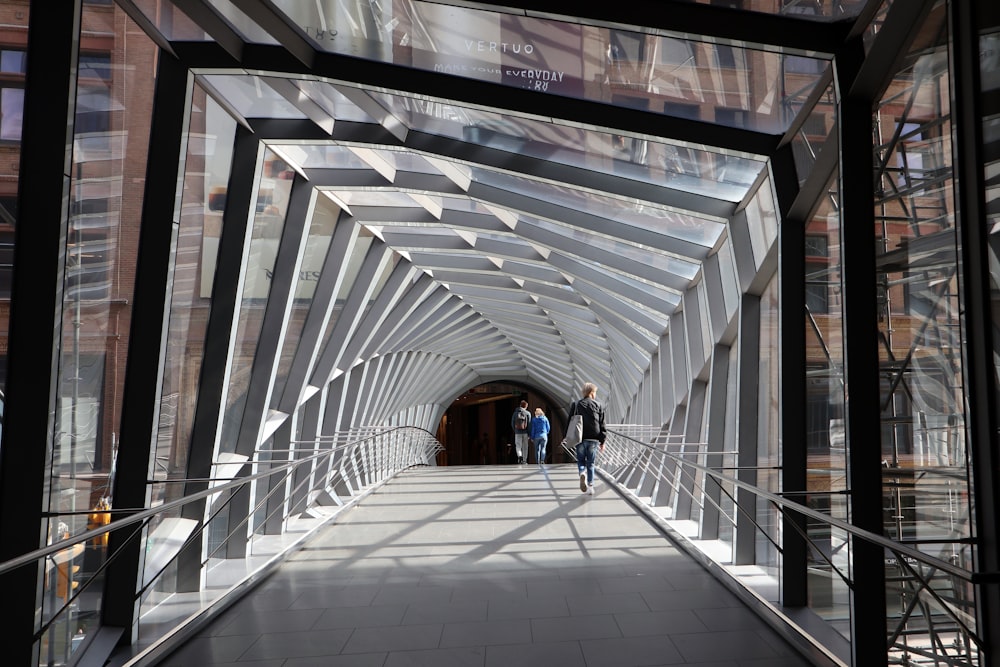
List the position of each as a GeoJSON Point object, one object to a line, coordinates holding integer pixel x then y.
{"type": "Point", "coordinates": [586, 453]}
{"type": "Point", "coordinates": [540, 443]}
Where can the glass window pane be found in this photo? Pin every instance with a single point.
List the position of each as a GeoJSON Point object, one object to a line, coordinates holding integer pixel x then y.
{"type": "Point", "coordinates": [11, 113]}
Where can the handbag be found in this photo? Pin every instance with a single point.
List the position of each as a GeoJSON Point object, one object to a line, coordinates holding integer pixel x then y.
{"type": "Point", "coordinates": [574, 431]}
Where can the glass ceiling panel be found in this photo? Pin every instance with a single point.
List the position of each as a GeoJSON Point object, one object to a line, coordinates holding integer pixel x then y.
{"type": "Point", "coordinates": [687, 167]}
{"type": "Point", "coordinates": [667, 75]}
{"type": "Point", "coordinates": [332, 101]}
{"type": "Point", "coordinates": [252, 97]}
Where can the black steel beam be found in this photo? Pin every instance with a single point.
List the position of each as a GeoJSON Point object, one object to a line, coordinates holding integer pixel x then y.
{"type": "Point", "coordinates": [36, 322]}
{"type": "Point", "coordinates": [969, 21]}
{"type": "Point", "coordinates": [792, 274]}
{"type": "Point", "coordinates": [861, 367]}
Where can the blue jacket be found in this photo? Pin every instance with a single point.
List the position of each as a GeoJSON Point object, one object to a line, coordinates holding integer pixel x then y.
{"type": "Point", "coordinates": [539, 427]}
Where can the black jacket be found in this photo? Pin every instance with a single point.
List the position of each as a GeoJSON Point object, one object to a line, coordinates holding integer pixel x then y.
{"type": "Point", "coordinates": [593, 419]}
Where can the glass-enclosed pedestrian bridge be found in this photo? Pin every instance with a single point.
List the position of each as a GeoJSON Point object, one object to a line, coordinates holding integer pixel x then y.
{"type": "Point", "coordinates": [365, 549]}
{"type": "Point", "coordinates": [270, 266]}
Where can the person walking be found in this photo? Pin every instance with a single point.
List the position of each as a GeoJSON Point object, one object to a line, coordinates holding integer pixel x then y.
{"type": "Point", "coordinates": [539, 434]}
{"type": "Point", "coordinates": [594, 434]}
{"type": "Point", "coordinates": [520, 421]}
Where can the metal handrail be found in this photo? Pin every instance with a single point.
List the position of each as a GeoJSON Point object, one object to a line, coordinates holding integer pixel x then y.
{"type": "Point", "coordinates": [920, 567]}
{"type": "Point", "coordinates": [136, 515]}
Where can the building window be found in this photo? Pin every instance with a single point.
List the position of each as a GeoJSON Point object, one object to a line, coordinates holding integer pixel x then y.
{"type": "Point", "coordinates": [731, 117]}
{"type": "Point", "coordinates": [95, 66]}
{"type": "Point", "coordinates": [817, 278]}
{"type": "Point", "coordinates": [726, 56]}
{"type": "Point", "coordinates": [6, 263]}
{"type": "Point", "coordinates": [13, 66]}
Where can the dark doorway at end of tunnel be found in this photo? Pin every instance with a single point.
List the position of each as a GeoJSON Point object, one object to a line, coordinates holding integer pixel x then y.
{"type": "Point", "coordinates": [476, 430]}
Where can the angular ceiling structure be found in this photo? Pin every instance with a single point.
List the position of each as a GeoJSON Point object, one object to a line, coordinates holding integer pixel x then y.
{"type": "Point", "coordinates": [550, 185]}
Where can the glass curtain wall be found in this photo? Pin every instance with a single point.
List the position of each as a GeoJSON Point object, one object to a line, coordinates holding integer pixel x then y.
{"type": "Point", "coordinates": [209, 158]}
{"type": "Point", "coordinates": [13, 68]}
{"type": "Point", "coordinates": [925, 485]}
{"type": "Point", "coordinates": [826, 454]}
{"type": "Point", "coordinates": [110, 141]}
{"type": "Point", "coordinates": [989, 75]}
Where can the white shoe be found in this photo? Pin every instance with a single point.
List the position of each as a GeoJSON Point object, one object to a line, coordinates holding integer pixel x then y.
{"type": "Point", "coordinates": [583, 481]}
{"type": "Point", "coordinates": [590, 490]}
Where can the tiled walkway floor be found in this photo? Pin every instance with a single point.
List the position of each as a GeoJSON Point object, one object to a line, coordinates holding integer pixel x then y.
{"type": "Point", "coordinates": [507, 566]}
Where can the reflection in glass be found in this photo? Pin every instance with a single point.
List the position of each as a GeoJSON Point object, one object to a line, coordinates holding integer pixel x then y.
{"type": "Point", "coordinates": [683, 166]}
{"type": "Point", "coordinates": [812, 135]}
{"type": "Point", "coordinates": [920, 300]}
{"type": "Point", "coordinates": [826, 452]}
{"type": "Point", "coordinates": [101, 247]}
{"type": "Point", "coordinates": [208, 161]}
{"type": "Point", "coordinates": [623, 67]}
{"type": "Point", "coordinates": [769, 428]}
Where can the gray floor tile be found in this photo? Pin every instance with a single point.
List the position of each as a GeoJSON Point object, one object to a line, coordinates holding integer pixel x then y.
{"type": "Point", "coordinates": [297, 644]}
{"type": "Point", "coordinates": [395, 638]}
{"type": "Point", "coordinates": [504, 608]}
{"type": "Point", "coordinates": [609, 603]}
{"type": "Point", "coordinates": [486, 633]}
{"type": "Point", "coordinates": [445, 657]}
{"type": "Point", "coordinates": [660, 623]}
{"type": "Point", "coordinates": [690, 599]}
{"type": "Point", "coordinates": [574, 627]}
{"type": "Point", "coordinates": [445, 612]}
{"type": "Point", "coordinates": [723, 645]}
{"type": "Point", "coordinates": [255, 621]}
{"type": "Point", "coordinates": [630, 652]}
{"type": "Point", "coordinates": [360, 617]}
{"type": "Point", "coordinates": [355, 660]}
{"type": "Point", "coordinates": [412, 594]}
{"type": "Point", "coordinates": [563, 654]}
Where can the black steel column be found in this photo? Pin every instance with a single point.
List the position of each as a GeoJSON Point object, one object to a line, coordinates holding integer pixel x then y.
{"type": "Point", "coordinates": [861, 369]}
{"type": "Point", "coordinates": [792, 314]}
{"type": "Point", "coordinates": [968, 111]}
{"type": "Point", "coordinates": [157, 243]}
{"type": "Point", "coordinates": [36, 307]}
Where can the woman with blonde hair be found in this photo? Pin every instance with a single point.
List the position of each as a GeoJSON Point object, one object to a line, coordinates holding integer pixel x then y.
{"type": "Point", "coordinates": [539, 434]}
